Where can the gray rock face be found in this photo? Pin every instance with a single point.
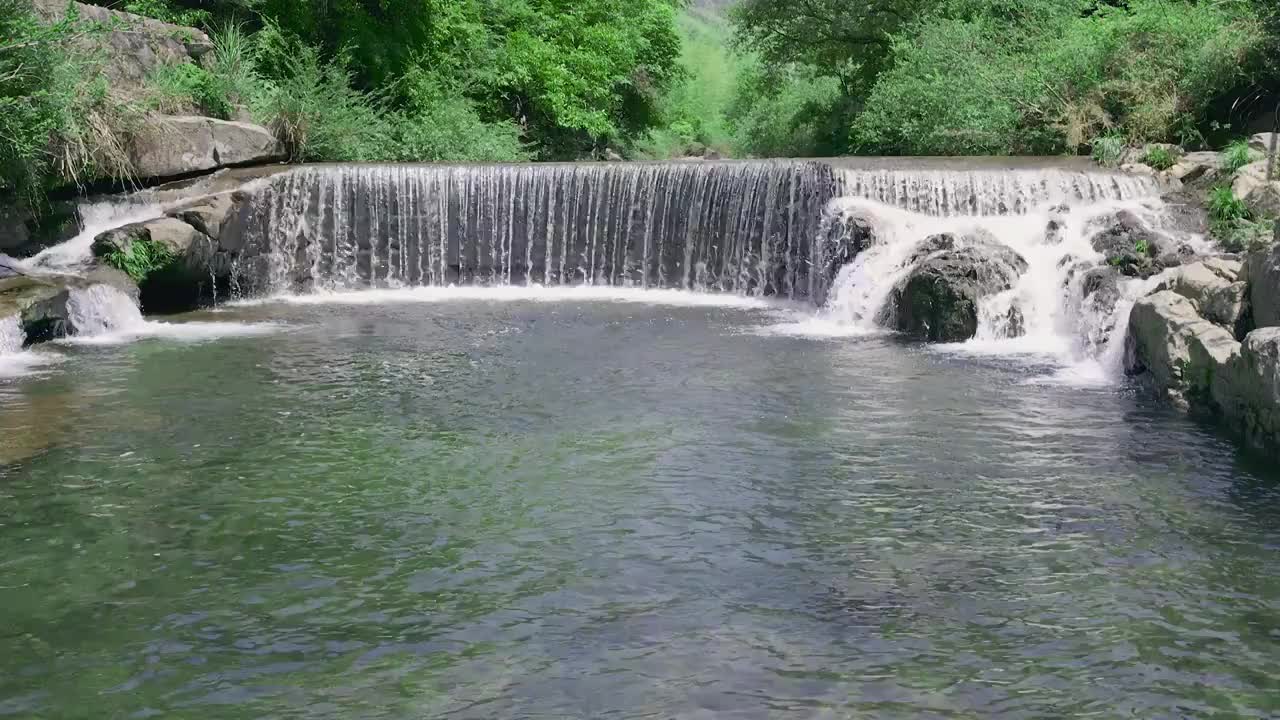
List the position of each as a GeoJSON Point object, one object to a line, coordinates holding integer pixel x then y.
{"type": "Point", "coordinates": [1262, 272]}
{"type": "Point", "coordinates": [1177, 348]}
{"type": "Point", "coordinates": [938, 300]}
{"type": "Point", "coordinates": [172, 146]}
{"type": "Point", "coordinates": [1128, 244]}
{"type": "Point", "coordinates": [843, 239]}
{"type": "Point", "coordinates": [1249, 178]}
{"type": "Point", "coordinates": [1214, 288]}
{"type": "Point", "coordinates": [40, 303]}
{"type": "Point", "coordinates": [1264, 199]}
{"type": "Point", "coordinates": [175, 265]}
{"type": "Point", "coordinates": [1196, 166]}
{"type": "Point", "coordinates": [132, 46]}
{"type": "Point", "coordinates": [1246, 389]}
{"type": "Point", "coordinates": [1261, 142]}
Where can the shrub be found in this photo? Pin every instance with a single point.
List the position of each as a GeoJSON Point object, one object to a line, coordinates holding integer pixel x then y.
{"type": "Point", "coordinates": [1149, 71]}
{"type": "Point", "coordinates": [59, 122]}
{"type": "Point", "coordinates": [1225, 207]}
{"type": "Point", "coordinates": [1158, 157]}
{"type": "Point", "coordinates": [144, 257]}
{"type": "Point", "coordinates": [1236, 156]}
{"type": "Point", "coordinates": [166, 12]}
{"type": "Point", "coordinates": [181, 87]}
{"type": "Point", "coordinates": [1108, 150]}
{"type": "Point", "coordinates": [310, 104]}
{"type": "Point", "coordinates": [444, 126]}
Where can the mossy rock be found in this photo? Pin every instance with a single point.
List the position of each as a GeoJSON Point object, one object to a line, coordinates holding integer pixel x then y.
{"type": "Point", "coordinates": [938, 301]}
{"type": "Point", "coordinates": [168, 258]}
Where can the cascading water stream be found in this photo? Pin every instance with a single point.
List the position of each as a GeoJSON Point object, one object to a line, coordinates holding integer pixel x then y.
{"type": "Point", "coordinates": [1047, 217]}
{"type": "Point", "coordinates": [738, 227]}
{"type": "Point", "coordinates": [12, 337]}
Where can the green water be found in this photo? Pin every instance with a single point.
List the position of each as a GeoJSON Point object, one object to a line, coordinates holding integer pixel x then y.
{"type": "Point", "coordinates": [486, 510]}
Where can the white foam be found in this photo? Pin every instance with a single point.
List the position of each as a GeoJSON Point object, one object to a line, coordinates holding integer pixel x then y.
{"type": "Point", "coordinates": [521, 293]}
{"type": "Point", "coordinates": [103, 315]}
{"type": "Point", "coordinates": [1059, 328]}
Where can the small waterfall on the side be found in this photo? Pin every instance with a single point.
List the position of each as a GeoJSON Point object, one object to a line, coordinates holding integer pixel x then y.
{"type": "Point", "coordinates": [102, 309]}
{"type": "Point", "coordinates": [96, 217]}
{"type": "Point", "coordinates": [737, 227]}
{"type": "Point", "coordinates": [12, 338]}
{"type": "Point", "coordinates": [1047, 217]}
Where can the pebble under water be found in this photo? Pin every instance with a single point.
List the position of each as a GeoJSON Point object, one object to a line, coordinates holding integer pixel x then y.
{"type": "Point", "coordinates": [591, 509]}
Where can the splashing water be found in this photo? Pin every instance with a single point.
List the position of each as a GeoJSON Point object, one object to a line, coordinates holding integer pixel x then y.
{"type": "Point", "coordinates": [95, 218]}
{"type": "Point", "coordinates": [102, 309]}
{"type": "Point", "coordinates": [11, 335]}
{"type": "Point", "coordinates": [1047, 217]}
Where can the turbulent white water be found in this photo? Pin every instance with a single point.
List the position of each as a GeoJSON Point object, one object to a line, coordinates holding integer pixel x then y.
{"type": "Point", "coordinates": [1047, 217]}
{"type": "Point", "coordinates": [95, 218]}
{"type": "Point", "coordinates": [103, 315]}
{"type": "Point", "coordinates": [11, 335]}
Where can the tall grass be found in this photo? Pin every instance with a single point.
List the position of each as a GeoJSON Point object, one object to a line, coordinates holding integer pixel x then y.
{"type": "Point", "coordinates": [1236, 156]}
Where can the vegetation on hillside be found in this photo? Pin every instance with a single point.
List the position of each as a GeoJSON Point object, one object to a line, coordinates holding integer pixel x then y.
{"type": "Point", "coordinates": [457, 80]}
{"type": "Point", "coordinates": [1001, 77]}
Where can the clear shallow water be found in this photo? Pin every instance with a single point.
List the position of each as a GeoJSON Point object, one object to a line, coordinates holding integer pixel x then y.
{"type": "Point", "coordinates": [575, 508]}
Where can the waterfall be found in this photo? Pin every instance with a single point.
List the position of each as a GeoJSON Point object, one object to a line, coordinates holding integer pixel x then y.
{"type": "Point", "coordinates": [953, 193]}
{"type": "Point", "coordinates": [102, 309]}
{"type": "Point", "coordinates": [734, 227]}
{"type": "Point", "coordinates": [1048, 217]}
{"type": "Point", "coordinates": [12, 337]}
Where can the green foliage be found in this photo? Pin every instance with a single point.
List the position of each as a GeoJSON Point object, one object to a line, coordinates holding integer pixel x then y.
{"type": "Point", "coordinates": [1236, 156]}
{"type": "Point", "coordinates": [1225, 207]}
{"type": "Point", "coordinates": [787, 112]}
{"type": "Point", "coordinates": [167, 12]}
{"type": "Point", "coordinates": [1108, 150]}
{"type": "Point", "coordinates": [970, 83]}
{"type": "Point", "coordinates": [143, 257]}
{"type": "Point", "coordinates": [310, 104]}
{"type": "Point", "coordinates": [441, 125]}
{"type": "Point", "coordinates": [1142, 247]}
{"type": "Point", "coordinates": [1231, 223]}
{"type": "Point", "coordinates": [693, 112]}
{"type": "Point", "coordinates": [58, 121]}
{"type": "Point", "coordinates": [179, 88]}
{"type": "Point", "coordinates": [1159, 158]}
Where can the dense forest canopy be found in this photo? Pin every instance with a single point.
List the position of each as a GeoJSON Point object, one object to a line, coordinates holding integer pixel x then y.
{"type": "Point", "coordinates": [510, 80]}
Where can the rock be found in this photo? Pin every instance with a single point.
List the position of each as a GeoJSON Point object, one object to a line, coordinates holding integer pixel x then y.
{"type": "Point", "coordinates": [1177, 349]}
{"type": "Point", "coordinates": [931, 245]}
{"type": "Point", "coordinates": [1248, 178]}
{"type": "Point", "coordinates": [40, 303]}
{"type": "Point", "coordinates": [1262, 273]}
{"type": "Point", "coordinates": [1264, 199]}
{"type": "Point", "coordinates": [1195, 166]}
{"type": "Point", "coordinates": [174, 264]}
{"type": "Point", "coordinates": [1261, 142]}
{"type": "Point", "coordinates": [712, 154]}
{"type": "Point", "coordinates": [938, 300]}
{"type": "Point", "coordinates": [1135, 168]}
{"type": "Point", "coordinates": [179, 145]}
{"type": "Point", "coordinates": [845, 236]}
{"type": "Point", "coordinates": [1128, 244]}
{"type": "Point", "coordinates": [611, 155]}
{"type": "Point", "coordinates": [1214, 288]}
{"type": "Point", "coordinates": [1245, 392]}
{"type": "Point", "coordinates": [1104, 282]}
{"type": "Point", "coordinates": [208, 215]}
{"type": "Point", "coordinates": [132, 47]}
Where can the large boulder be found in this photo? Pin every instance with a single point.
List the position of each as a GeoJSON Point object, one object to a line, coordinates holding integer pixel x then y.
{"type": "Point", "coordinates": [1215, 289]}
{"type": "Point", "coordinates": [132, 47]}
{"type": "Point", "coordinates": [845, 235]}
{"type": "Point", "coordinates": [40, 303]}
{"type": "Point", "coordinates": [181, 145]}
{"type": "Point", "coordinates": [1261, 142]}
{"type": "Point", "coordinates": [1262, 273]}
{"type": "Point", "coordinates": [938, 300]}
{"type": "Point", "coordinates": [1178, 350]}
{"type": "Point", "coordinates": [1196, 166]}
{"type": "Point", "coordinates": [1249, 178]}
{"type": "Point", "coordinates": [1246, 390]}
{"type": "Point", "coordinates": [1264, 199]}
{"type": "Point", "coordinates": [175, 265]}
